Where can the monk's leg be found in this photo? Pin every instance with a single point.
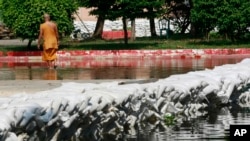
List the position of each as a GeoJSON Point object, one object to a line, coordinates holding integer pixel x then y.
{"type": "Point", "coordinates": [47, 63]}
{"type": "Point", "coordinates": [51, 64]}
{"type": "Point", "coordinates": [54, 63]}
{"type": "Point", "coordinates": [50, 56]}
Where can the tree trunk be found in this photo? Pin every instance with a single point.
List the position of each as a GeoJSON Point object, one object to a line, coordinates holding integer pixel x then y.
{"type": "Point", "coordinates": [124, 21]}
{"type": "Point", "coordinates": [152, 22]}
{"type": "Point", "coordinates": [133, 29]}
{"type": "Point", "coordinates": [99, 27]}
{"type": "Point", "coordinates": [184, 27]}
{"type": "Point", "coordinates": [193, 30]}
{"type": "Point", "coordinates": [207, 35]}
{"type": "Point", "coordinates": [152, 27]}
{"type": "Point", "coordinates": [29, 44]}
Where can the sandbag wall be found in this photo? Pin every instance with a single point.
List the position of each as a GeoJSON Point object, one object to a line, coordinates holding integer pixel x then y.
{"type": "Point", "coordinates": [77, 110]}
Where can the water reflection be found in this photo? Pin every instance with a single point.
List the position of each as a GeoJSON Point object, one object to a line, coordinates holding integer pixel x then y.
{"type": "Point", "coordinates": [213, 126]}
{"type": "Point", "coordinates": [50, 74]}
{"type": "Point", "coordinates": [139, 68]}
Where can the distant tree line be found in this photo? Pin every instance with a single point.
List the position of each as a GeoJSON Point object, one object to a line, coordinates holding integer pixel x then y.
{"type": "Point", "coordinates": [124, 9]}
{"type": "Point", "coordinates": [230, 18]}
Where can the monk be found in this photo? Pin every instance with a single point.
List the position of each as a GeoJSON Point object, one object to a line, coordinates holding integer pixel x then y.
{"type": "Point", "coordinates": [49, 35]}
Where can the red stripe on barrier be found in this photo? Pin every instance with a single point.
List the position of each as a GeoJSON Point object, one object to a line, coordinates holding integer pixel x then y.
{"type": "Point", "coordinates": [227, 51]}
{"type": "Point", "coordinates": [171, 61]}
{"type": "Point", "coordinates": [112, 35]}
{"type": "Point", "coordinates": [24, 53]}
{"type": "Point", "coordinates": [23, 64]}
{"type": "Point", "coordinates": [78, 53]}
{"type": "Point", "coordinates": [10, 53]}
{"type": "Point", "coordinates": [207, 51]}
{"type": "Point", "coordinates": [242, 51]}
{"type": "Point", "coordinates": [34, 53]}
{"type": "Point", "coordinates": [134, 53]}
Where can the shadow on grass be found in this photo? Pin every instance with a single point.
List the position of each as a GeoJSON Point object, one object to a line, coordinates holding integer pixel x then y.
{"type": "Point", "coordinates": [109, 45]}
{"type": "Point", "coordinates": [175, 42]}
{"type": "Point", "coordinates": [90, 45]}
{"type": "Point", "coordinates": [219, 43]}
{"type": "Point", "coordinates": [18, 48]}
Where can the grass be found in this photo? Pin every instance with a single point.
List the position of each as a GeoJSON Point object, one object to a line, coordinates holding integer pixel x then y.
{"type": "Point", "coordinates": [175, 42]}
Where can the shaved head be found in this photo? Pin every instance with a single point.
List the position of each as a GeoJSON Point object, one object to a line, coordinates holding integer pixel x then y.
{"type": "Point", "coordinates": [46, 17]}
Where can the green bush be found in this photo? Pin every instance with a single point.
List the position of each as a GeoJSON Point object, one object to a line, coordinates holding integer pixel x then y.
{"type": "Point", "coordinates": [25, 17]}
{"type": "Point", "coordinates": [214, 35]}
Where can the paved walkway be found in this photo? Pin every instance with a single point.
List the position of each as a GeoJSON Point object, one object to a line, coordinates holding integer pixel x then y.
{"type": "Point", "coordinates": [14, 42]}
{"type": "Point", "coordinates": [10, 87]}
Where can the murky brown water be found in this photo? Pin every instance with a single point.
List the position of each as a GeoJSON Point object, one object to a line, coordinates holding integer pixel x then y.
{"type": "Point", "coordinates": [110, 68]}
{"type": "Point", "coordinates": [213, 125]}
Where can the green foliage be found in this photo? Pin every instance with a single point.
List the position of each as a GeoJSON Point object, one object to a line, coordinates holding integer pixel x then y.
{"type": "Point", "coordinates": [136, 9]}
{"type": "Point", "coordinates": [169, 119]}
{"type": "Point", "coordinates": [230, 17]}
{"type": "Point", "coordinates": [101, 7]}
{"type": "Point", "coordinates": [203, 15]}
{"type": "Point", "coordinates": [233, 18]}
{"type": "Point", "coordinates": [214, 35]}
{"type": "Point", "coordinates": [113, 9]}
{"type": "Point", "coordinates": [125, 9]}
{"type": "Point", "coordinates": [25, 17]}
{"type": "Point", "coordinates": [178, 11]}
{"type": "Point", "coordinates": [1, 12]}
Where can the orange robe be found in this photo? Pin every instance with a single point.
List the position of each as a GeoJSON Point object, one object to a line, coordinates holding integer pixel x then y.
{"type": "Point", "coordinates": [50, 44]}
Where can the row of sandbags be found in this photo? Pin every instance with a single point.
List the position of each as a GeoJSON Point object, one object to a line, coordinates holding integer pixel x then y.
{"type": "Point", "coordinates": [78, 110]}
{"type": "Point", "coordinates": [142, 26]}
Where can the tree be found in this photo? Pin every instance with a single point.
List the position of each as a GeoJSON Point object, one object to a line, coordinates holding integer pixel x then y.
{"type": "Point", "coordinates": [204, 16]}
{"type": "Point", "coordinates": [136, 9]}
{"type": "Point", "coordinates": [125, 9]}
{"type": "Point", "coordinates": [230, 17]}
{"type": "Point", "coordinates": [154, 9]}
{"type": "Point", "coordinates": [1, 1]}
{"type": "Point", "coordinates": [179, 12]}
{"type": "Point", "coordinates": [100, 9]}
{"type": "Point", "coordinates": [233, 18]}
{"type": "Point", "coordinates": [24, 17]}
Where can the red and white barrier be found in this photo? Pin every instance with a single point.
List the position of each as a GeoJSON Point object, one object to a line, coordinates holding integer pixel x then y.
{"type": "Point", "coordinates": [79, 55]}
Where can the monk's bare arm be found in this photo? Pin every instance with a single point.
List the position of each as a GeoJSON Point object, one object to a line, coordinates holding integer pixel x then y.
{"type": "Point", "coordinates": [40, 37]}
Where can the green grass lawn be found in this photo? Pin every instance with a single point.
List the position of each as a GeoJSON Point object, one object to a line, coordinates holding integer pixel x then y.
{"type": "Point", "coordinates": [141, 43]}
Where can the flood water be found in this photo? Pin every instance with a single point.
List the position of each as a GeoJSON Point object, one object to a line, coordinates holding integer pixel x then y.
{"type": "Point", "coordinates": [110, 68]}
{"type": "Point", "coordinates": [212, 125]}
